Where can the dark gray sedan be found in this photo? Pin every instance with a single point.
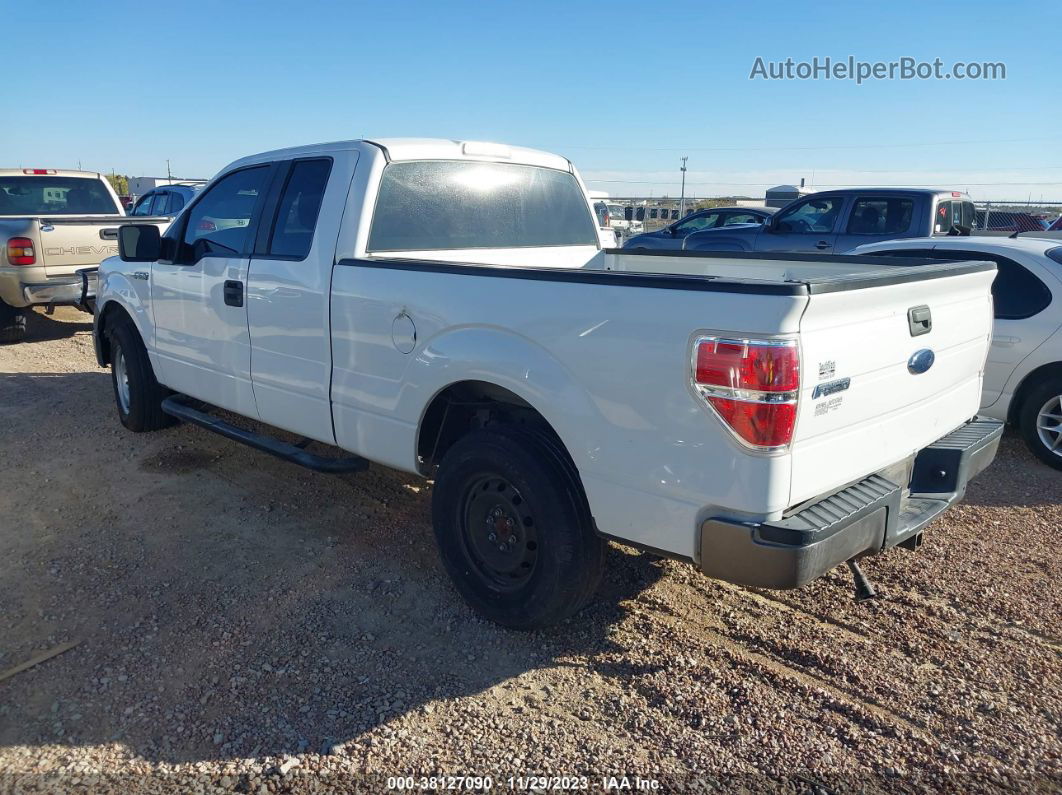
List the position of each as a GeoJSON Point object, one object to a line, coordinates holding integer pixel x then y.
{"type": "Point", "coordinates": [712, 218]}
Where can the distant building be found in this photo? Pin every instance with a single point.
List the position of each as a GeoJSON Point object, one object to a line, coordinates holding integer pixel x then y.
{"type": "Point", "coordinates": [781, 195]}
{"type": "Point", "coordinates": [138, 186]}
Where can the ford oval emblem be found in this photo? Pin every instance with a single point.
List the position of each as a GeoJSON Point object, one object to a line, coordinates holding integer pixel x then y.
{"type": "Point", "coordinates": [921, 361]}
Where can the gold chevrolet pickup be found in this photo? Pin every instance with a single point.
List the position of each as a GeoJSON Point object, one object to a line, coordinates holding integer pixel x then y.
{"type": "Point", "coordinates": [56, 227]}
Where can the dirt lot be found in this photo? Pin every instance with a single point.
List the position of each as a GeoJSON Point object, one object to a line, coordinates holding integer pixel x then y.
{"type": "Point", "coordinates": [247, 625]}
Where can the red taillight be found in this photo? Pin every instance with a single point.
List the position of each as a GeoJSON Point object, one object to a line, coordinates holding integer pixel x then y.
{"type": "Point", "coordinates": [20, 251]}
{"type": "Point", "coordinates": [752, 385]}
{"type": "Point", "coordinates": [36, 171]}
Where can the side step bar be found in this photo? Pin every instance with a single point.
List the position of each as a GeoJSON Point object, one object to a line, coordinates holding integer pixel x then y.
{"type": "Point", "coordinates": [180, 406]}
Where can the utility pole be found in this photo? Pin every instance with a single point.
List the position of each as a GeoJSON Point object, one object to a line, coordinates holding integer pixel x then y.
{"type": "Point", "coordinates": [169, 176]}
{"type": "Point", "coordinates": [682, 196]}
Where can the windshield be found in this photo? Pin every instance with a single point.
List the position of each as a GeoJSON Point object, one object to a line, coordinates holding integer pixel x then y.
{"type": "Point", "coordinates": [434, 205]}
{"type": "Point", "coordinates": [616, 210]}
{"type": "Point", "coordinates": [55, 196]}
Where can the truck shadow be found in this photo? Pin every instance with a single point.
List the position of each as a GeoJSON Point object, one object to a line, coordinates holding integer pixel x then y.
{"type": "Point", "coordinates": [231, 605]}
{"type": "Point", "coordinates": [66, 322]}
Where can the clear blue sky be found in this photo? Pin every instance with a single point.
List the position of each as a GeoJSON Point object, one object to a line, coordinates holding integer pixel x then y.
{"type": "Point", "coordinates": [623, 89]}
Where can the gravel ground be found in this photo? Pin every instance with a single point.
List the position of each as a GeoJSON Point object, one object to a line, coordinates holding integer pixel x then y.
{"type": "Point", "coordinates": [246, 625]}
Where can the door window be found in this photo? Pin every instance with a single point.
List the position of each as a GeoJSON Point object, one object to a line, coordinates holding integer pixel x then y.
{"type": "Point", "coordinates": [143, 207]}
{"type": "Point", "coordinates": [219, 221]}
{"type": "Point", "coordinates": [812, 217]}
{"type": "Point", "coordinates": [1016, 292]}
{"type": "Point", "coordinates": [695, 224]}
{"type": "Point", "coordinates": [176, 203]}
{"type": "Point", "coordinates": [162, 203]}
{"type": "Point", "coordinates": [742, 218]}
{"type": "Point", "coordinates": [298, 209]}
{"type": "Point", "coordinates": [880, 216]}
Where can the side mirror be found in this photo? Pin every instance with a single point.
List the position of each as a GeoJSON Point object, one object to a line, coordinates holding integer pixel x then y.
{"type": "Point", "coordinates": [139, 243]}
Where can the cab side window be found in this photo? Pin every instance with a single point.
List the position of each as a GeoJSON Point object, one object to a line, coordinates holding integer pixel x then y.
{"type": "Point", "coordinates": [219, 222]}
{"type": "Point", "coordinates": [815, 216]}
{"type": "Point", "coordinates": [885, 216]}
{"type": "Point", "coordinates": [696, 224]}
{"type": "Point", "coordinates": [143, 206]}
{"type": "Point", "coordinates": [299, 206]}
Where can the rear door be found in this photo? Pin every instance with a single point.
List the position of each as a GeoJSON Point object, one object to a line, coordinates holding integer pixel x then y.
{"type": "Point", "coordinates": [876, 387]}
{"type": "Point", "coordinates": [808, 226]}
{"type": "Point", "coordinates": [873, 218]}
{"type": "Point", "coordinates": [198, 297]}
{"type": "Point", "coordinates": [288, 288]}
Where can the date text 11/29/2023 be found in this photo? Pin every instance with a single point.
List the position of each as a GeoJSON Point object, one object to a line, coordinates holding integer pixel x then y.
{"type": "Point", "coordinates": [523, 783]}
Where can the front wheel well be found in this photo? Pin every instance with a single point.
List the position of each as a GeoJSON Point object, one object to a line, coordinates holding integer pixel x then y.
{"type": "Point", "coordinates": [1030, 382]}
{"type": "Point", "coordinates": [466, 406]}
{"type": "Point", "coordinates": [112, 314]}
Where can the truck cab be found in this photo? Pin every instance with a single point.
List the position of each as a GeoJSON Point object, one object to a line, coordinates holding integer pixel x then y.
{"type": "Point", "coordinates": [840, 220]}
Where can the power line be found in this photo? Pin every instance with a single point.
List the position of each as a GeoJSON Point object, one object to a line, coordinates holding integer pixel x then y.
{"type": "Point", "coordinates": [826, 147]}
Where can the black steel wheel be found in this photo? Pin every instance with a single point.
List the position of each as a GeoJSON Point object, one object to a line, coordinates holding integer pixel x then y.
{"type": "Point", "coordinates": [513, 527]}
{"type": "Point", "coordinates": [498, 533]}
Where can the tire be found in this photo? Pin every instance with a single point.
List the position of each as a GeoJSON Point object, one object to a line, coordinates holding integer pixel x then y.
{"type": "Point", "coordinates": [137, 395]}
{"type": "Point", "coordinates": [12, 324]}
{"type": "Point", "coordinates": [507, 479]}
{"type": "Point", "coordinates": [1040, 420]}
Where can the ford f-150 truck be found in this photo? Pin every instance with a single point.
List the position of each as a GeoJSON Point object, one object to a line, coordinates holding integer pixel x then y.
{"type": "Point", "coordinates": [444, 308]}
{"type": "Point", "coordinates": [53, 224]}
{"type": "Point", "coordinates": [837, 221]}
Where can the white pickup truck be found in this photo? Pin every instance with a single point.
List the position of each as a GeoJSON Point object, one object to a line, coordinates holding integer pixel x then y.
{"type": "Point", "coordinates": [55, 226]}
{"type": "Point", "coordinates": [444, 308]}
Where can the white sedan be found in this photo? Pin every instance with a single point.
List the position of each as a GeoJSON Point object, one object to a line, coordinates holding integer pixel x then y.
{"type": "Point", "coordinates": [1023, 375]}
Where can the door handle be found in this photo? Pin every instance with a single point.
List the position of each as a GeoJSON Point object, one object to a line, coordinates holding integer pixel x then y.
{"type": "Point", "coordinates": [233, 293]}
{"type": "Point", "coordinates": [822, 244]}
{"type": "Point", "coordinates": [1005, 342]}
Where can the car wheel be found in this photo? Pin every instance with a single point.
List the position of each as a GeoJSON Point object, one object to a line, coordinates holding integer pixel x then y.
{"type": "Point", "coordinates": [514, 529]}
{"type": "Point", "coordinates": [12, 324]}
{"type": "Point", "coordinates": [137, 395]}
{"type": "Point", "coordinates": [1041, 421]}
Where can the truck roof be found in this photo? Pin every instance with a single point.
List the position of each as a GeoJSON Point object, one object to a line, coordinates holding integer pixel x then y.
{"type": "Point", "coordinates": [50, 172]}
{"type": "Point", "coordinates": [891, 189]}
{"type": "Point", "coordinates": [423, 149]}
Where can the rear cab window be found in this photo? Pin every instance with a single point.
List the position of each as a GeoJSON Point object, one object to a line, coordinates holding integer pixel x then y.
{"type": "Point", "coordinates": [953, 216]}
{"type": "Point", "coordinates": [54, 195]}
{"type": "Point", "coordinates": [433, 205]}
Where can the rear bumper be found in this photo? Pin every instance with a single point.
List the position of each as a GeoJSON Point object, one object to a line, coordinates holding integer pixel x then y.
{"type": "Point", "coordinates": [69, 290]}
{"type": "Point", "coordinates": [862, 519]}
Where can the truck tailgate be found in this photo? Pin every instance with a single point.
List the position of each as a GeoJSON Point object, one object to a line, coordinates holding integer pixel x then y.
{"type": "Point", "coordinates": [866, 401]}
{"type": "Point", "coordinates": [72, 242]}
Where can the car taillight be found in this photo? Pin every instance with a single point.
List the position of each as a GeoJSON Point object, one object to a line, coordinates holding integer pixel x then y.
{"type": "Point", "coordinates": [20, 251]}
{"type": "Point", "coordinates": [38, 171]}
{"type": "Point", "coordinates": [206, 226]}
{"type": "Point", "coordinates": [752, 385]}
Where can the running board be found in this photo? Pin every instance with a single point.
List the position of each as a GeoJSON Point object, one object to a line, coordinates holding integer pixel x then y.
{"type": "Point", "coordinates": [179, 406]}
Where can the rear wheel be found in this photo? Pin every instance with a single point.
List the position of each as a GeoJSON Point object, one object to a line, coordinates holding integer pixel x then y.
{"type": "Point", "coordinates": [513, 527]}
{"type": "Point", "coordinates": [12, 324]}
{"type": "Point", "coordinates": [1041, 421]}
{"type": "Point", "coordinates": [137, 395]}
